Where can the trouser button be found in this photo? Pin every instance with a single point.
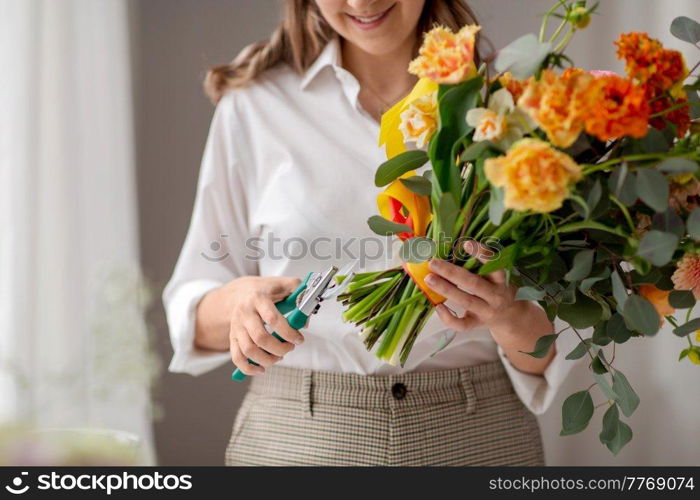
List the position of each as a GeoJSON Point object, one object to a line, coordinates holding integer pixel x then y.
{"type": "Point", "coordinates": [398, 391]}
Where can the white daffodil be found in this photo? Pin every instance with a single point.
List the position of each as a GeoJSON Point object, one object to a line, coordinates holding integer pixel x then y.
{"type": "Point", "coordinates": [502, 122]}
{"type": "Point", "coordinates": [419, 120]}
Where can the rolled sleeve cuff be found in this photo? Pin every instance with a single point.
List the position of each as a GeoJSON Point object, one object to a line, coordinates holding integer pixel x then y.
{"type": "Point", "coordinates": [181, 317]}
{"type": "Point", "coordinates": [538, 391]}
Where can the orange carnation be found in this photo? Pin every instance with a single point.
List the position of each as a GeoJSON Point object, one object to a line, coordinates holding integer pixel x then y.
{"type": "Point", "coordinates": [447, 57]}
{"type": "Point", "coordinates": [661, 72]}
{"type": "Point", "coordinates": [534, 176]}
{"type": "Point", "coordinates": [620, 110]}
{"type": "Point", "coordinates": [658, 298]}
{"type": "Point", "coordinates": [687, 274]}
{"type": "Point", "coordinates": [648, 62]}
{"type": "Point", "coordinates": [559, 104]}
{"type": "Point", "coordinates": [515, 87]}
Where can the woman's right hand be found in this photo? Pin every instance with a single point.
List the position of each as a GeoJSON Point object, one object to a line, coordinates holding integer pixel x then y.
{"type": "Point", "coordinates": [252, 305]}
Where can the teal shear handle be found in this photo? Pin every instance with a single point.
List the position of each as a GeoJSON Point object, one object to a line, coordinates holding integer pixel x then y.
{"type": "Point", "coordinates": [295, 318]}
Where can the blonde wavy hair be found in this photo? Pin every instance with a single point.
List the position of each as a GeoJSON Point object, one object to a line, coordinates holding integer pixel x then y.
{"type": "Point", "coordinates": [301, 36]}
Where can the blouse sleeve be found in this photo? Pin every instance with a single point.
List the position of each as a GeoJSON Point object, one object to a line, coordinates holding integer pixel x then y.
{"type": "Point", "coordinates": [214, 251]}
{"type": "Point", "coordinates": [538, 391]}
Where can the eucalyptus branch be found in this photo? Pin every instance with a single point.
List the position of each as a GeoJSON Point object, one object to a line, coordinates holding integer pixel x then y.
{"type": "Point", "coordinates": [588, 349]}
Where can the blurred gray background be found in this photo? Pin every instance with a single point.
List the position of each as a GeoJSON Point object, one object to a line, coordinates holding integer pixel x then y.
{"type": "Point", "coordinates": [173, 43]}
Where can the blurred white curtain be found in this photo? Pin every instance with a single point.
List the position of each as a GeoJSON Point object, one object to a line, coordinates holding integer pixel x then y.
{"type": "Point", "coordinates": [73, 342]}
{"type": "Point", "coordinates": [666, 423]}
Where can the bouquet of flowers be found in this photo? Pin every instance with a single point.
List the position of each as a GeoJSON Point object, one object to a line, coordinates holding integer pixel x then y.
{"type": "Point", "coordinates": [585, 183]}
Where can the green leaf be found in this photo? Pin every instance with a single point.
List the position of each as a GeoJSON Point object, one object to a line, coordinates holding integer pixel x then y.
{"type": "Point", "coordinates": [588, 283]}
{"type": "Point", "coordinates": [580, 350]}
{"type": "Point", "coordinates": [584, 313]}
{"type": "Point", "coordinates": [615, 434]}
{"type": "Point", "coordinates": [617, 330]}
{"type": "Point", "coordinates": [669, 222]}
{"type": "Point", "coordinates": [576, 412]}
{"type": "Point", "coordinates": [384, 227]}
{"type": "Point", "coordinates": [619, 291]}
{"type": "Point", "coordinates": [627, 398]}
{"type": "Point", "coordinates": [675, 166]}
{"type": "Point", "coordinates": [657, 247]}
{"type": "Point", "coordinates": [529, 293]}
{"type": "Point", "coordinates": [652, 188]}
{"type": "Point", "coordinates": [417, 250]}
{"type": "Point", "coordinates": [681, 299]}
{"type": "Point", "coordinates": [622, 184]}
{"type": "Point", "coordinates": [475, 150]}
{"type": "Point", "coordinates": [523, 57]}
{"type": "Point", "coordinates": [505, 258]}
{"type": "Point", "coordinates": [418, 184]}
{"type": "Point", "coordinates": [686, 29]}
{"type": "Point", "coordinates": [683, 354]}
{"type": "Point", "coordinates": [496, 205]}
{"type": "Point", "coordinates": [689, 327]}
{"type": "Point", "coordinates": [447, 214]}
{"type": "Point", "coordinates": [654, 142]}
{"type": "Point", "coordinates": [594, 196]}
{"type": "Point", "coordinates": [542, 346]}
{"type": "Point", "coordinates": [605, 387]}
{"type": "Point", "coordinates": [598, 366]}
{"type": "Point", "coordinates": [694, 224]}
{"type": "Point", "coordinates": [583, 263]}
{"type": "Point", "coordinates": [394, 168]}
{"type": "Point", "coordinates": [641, 316]}
{"type": "Point", "coordinates": [600, 336]}
{"type": "Point", "coordinates": [454, 103]}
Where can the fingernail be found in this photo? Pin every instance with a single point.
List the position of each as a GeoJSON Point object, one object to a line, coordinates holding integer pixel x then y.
{"type": "Point", "coordinates": [299, 340]}
{"type": "Point", "coordinates": [430, 279]}
{"type": "Point", "coordinates": [433, 264]}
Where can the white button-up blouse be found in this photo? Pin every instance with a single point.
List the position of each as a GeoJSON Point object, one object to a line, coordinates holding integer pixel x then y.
{"type": "Point", "coordinates": [286, 187]}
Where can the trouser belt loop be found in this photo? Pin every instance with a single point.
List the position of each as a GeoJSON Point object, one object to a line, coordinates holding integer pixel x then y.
{"type": "Point", "coordinates": [306, 387]}
{"type": "Point", "coordinates": [468, 388]}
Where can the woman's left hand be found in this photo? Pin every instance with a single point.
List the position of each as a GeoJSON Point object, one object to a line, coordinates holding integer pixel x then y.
{"type": "Point", "coordinates": [489, 302]}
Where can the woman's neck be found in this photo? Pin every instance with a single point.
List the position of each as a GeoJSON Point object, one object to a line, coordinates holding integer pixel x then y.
{"type": "Point", "coordinates": [383, 74]}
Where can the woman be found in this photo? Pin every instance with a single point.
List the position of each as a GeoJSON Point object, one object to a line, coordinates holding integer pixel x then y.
{"type": "Point", "coordinates": [288, 171]}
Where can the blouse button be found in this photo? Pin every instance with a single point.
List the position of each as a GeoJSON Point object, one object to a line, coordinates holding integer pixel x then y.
{"type": "Point", "coordinates": [398, 391]}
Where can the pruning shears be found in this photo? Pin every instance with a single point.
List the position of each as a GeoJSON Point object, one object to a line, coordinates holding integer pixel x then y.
{"type": "Point", "coordinates": [306, 300]}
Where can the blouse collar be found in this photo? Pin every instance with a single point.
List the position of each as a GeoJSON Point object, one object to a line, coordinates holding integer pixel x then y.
{"type": "Point", "coordinates": [329, 56]}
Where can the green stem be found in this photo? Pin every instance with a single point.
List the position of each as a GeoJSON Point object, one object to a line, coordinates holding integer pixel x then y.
{"type": "Point", "coordinates": [502, 230]}
{"type": "Point", "coordinates": [545, 19]}
{"type": "Point", "coordinates": [625, 212]}
{"type": "Point", "coordinates": [640, 157]}
{"type": "Point", "coordinates": [565, 42]}
{"type": "Point", "coordinates": [393, 309]}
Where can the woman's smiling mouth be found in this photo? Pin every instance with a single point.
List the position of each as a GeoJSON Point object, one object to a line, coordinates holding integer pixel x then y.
{"type": "Point", "coordinates": [370, 22]}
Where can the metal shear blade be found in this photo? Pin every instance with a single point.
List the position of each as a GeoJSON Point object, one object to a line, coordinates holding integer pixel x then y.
{"type": "Point", "coordinates": [336, 289]}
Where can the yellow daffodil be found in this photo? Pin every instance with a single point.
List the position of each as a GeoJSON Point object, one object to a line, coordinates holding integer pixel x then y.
{"type": "Point", "coordinates": [390, 135]}
{"type": "Point", "coordinates": [419, 120]}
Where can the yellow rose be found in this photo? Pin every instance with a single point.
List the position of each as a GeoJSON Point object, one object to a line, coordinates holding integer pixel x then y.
{"type": "Point", "coordinates": [419, 120]}
{"type": "Point", "coordinates": [447, 57]}
{"type": "Point", "coordinates": [534, 176]}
